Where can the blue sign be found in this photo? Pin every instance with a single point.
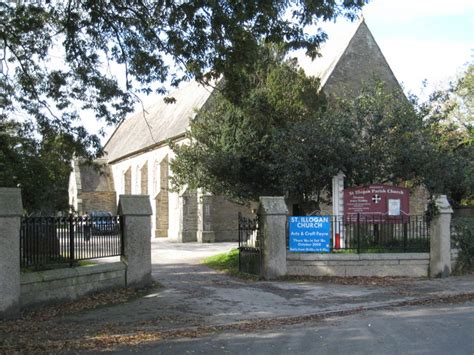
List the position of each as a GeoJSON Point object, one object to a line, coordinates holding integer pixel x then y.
{"type": "Point", "coordinates": [310, 234]}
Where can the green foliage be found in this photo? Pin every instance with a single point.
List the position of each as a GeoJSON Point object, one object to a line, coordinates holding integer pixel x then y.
{"type": "Point", "coordinates": [224, 261]}
{"type": "Point", "coordinates": [269, 141]}
{"type": "Point", "coordinates": [389, 139]}
{"type": "Point", "coordinates": [98, 55]}
{"type": "Point", "coordinates": [40, 167]}
{"type": "Point", "coordinates": [463, 238]}
{"type": "Point", "coordinates": [281, 136]}
{"type": "Point", "coordinates": [450, 168]}
{"type": "Point", "coordinates": [58, 58]}
{"type": "Point", "coordinates": [432, 210]}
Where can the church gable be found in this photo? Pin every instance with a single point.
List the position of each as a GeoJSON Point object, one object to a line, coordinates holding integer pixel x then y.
{"type": "Point", "coordinates": [362, 62]}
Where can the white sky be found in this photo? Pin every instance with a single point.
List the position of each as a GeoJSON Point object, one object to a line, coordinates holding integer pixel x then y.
{"type": "Point", "coordinates": [423, 39]}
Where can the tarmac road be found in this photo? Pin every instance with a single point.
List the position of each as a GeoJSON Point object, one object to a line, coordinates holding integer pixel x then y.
{"type": "Point", "coordinates": [435, 329]}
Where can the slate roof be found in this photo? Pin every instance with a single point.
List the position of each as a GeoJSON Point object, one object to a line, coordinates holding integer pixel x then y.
{"type": "Point", "coordinates": [330, 52]}
{"type": "Point", "coordinates": [162, 121]}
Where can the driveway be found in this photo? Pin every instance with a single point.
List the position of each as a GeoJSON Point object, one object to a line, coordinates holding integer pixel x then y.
{"type": "Point", "coordinates": [194, 295]}
{"type": "Point", "coordinates": [192, 300]}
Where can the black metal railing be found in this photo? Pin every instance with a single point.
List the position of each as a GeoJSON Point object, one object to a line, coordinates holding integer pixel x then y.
{"type": "Point", "coordinates": [250, 245]}
{"type": "Point", "coordinates": [383, 234]}
{"type": "Point", "coordinates": [58, 241]}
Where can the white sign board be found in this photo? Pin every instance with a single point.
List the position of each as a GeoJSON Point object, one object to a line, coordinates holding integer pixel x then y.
{"type": "Point", "coordinates": [393, 207]}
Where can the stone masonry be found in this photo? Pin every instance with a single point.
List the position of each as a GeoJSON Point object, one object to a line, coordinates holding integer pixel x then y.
{"type": "Point", "coordinates": [136, 213]}
{"type": "Point", "coordinates": [11, 209]}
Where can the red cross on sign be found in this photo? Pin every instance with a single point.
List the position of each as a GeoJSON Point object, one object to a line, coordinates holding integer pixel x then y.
{"type": "Point", "coordinates": [376, 198]}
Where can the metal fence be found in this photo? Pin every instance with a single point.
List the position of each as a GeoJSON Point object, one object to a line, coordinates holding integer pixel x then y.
{"type": "Point", "coordinates": [359, 234]}
{"type": "Point", "coordinates": [250, 246]}
{"type": "Point", "coordinates": [60, 241]}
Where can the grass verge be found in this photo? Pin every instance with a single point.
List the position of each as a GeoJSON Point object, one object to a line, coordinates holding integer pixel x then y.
{"type": "Point", "coordinates": [228, 263]}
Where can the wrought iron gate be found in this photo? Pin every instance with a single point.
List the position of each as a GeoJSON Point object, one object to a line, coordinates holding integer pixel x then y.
{"type": "Point", "coordinates": [250, 246]}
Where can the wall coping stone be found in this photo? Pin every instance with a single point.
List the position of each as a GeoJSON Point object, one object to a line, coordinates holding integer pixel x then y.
{"type": "Point", "coordinates": [392, 256]}
{"type": "Point", "coordinates": [357, 257]}
{"type": "Point", "coordinates": [11, 202]}
{"type": "Point", "coordinates": [59, 274]}
{"type": "Point", "coordinates": [134, 205]}
{"type": "Point", "coordinates": [272, 205]}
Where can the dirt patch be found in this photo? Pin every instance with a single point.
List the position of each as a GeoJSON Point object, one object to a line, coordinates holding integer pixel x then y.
{"type": "Point", "coordinates": [43, 324]}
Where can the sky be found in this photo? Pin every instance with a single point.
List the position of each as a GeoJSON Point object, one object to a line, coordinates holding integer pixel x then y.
{"type": "Point", "coordinates": [428, 40]}
{"type": "Point", "coordinates": [423, 39]}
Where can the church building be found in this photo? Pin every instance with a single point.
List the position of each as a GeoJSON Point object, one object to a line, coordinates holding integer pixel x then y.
{"type": "Point", "coordinates": [137, 155]}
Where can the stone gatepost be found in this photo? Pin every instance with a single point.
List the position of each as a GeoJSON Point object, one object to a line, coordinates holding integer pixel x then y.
{"type": "Point", "coordinates": [272, 214]}
{"type": "Point", "coordinates": [136, 218]}
{"type": "Point", "coordinates": [440, 242]}
{"type": "Point", "coordinates": [11, 210]}
{"type": "Point", "coordinates": [204, 233]}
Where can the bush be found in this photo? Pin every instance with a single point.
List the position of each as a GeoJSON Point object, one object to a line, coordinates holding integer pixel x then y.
{"type": "Point", "coordinates": [463, 238]}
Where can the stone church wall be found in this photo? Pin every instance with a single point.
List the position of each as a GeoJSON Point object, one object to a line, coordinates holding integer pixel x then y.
{"type": "Point", "coordinates": [224, 218]}
{"type": "Point", "coordinates": [189, 227]}
{"type": "Point", "coordinates": [99, 201]}
{"type": "Point", "coordinates": [91, 188]}
{"type": "Point", "coordinates": [147, 177]}
{"type": "Point", "coordinates": [361, 63]}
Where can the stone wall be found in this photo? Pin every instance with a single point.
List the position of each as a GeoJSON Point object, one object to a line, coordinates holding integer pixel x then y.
{"type": "Point", "coordinates": [91, 187]}
{"type": "Point", "coordinates": [189, 223]}
{"type": "Point", "coordinates": [144, 179]}
{"type": "Point", "coordinates": [99, 201]}
{"type": "Point", "coordinates": [347, 265]}
{"type": "Point", "coordinates": [27, 289]}
{"type": "Point", "coordinates": [418, 201]}
{"type": "Point", "coordinates": [223, 217]}
{"type": "Point", "coordinates": [278, 261]}
{"type": "Point", "coordinates": [127, 181]}
{"type": "Point", "coordinates": [162, 201]}
{"type": "Point", "coordinates": [467, 211]}
{"type": "Point", "coordinates": [69, 284]}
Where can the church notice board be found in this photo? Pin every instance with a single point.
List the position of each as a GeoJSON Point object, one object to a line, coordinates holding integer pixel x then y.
{"type": "Point", "coordinates": [377, 203]}
{"type": "Point", "coordinates": [309, 234]}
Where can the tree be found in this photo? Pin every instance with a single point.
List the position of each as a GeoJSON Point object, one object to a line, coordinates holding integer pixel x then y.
{"type": "Point", "coordinates": [390, 138]}
{"type": "Point", "coordinates": [40, 167]}
{"type": "Point", "coordinates": [283, 137]}
{"type": "Point", "coordinates": [60, 58]}
{"type": "Point", "coordinates": [152, 42]}
{"type": "Point", "coordinates": [451, 115]}
{"type": "Point", "coordinates": [242, 150]}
